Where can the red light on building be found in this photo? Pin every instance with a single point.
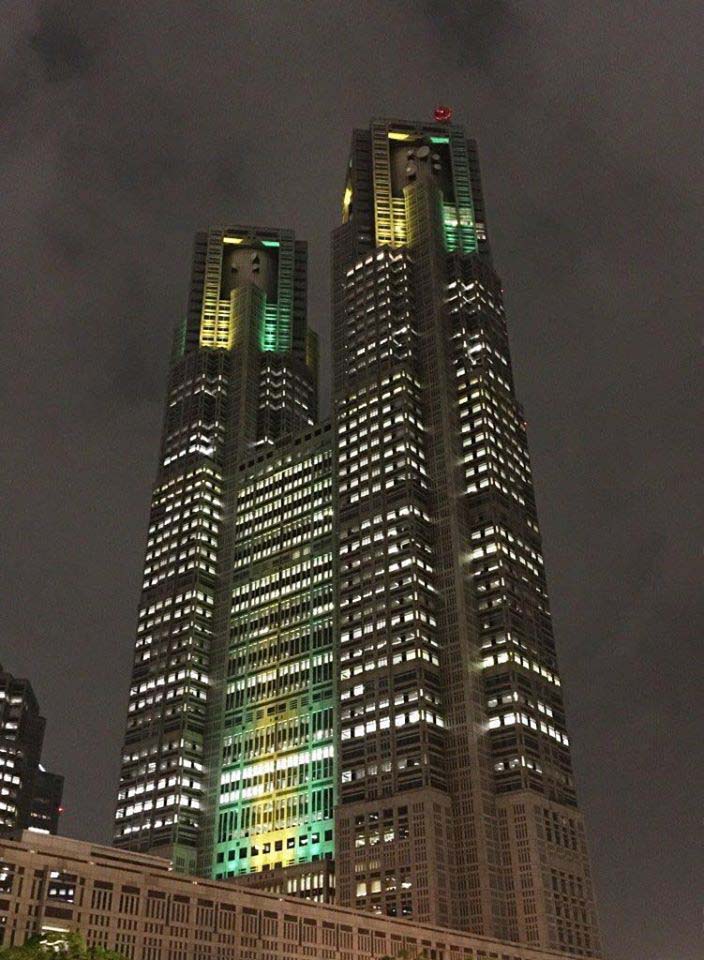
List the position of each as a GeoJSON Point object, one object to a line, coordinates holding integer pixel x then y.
{"type": "Point", "coordinates": [443, 114]}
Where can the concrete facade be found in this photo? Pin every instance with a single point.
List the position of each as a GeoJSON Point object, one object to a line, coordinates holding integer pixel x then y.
{"type": "Point", "coordinates": [137, 905]}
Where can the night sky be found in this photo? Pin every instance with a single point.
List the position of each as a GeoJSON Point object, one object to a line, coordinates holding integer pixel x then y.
{"type": "Point", "coordinates": [129, 125]}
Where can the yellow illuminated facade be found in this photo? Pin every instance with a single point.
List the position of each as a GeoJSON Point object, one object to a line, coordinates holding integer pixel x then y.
{"type": "Point", "coordinates": [264, 258]}
{"type": "Point", "coordinates": [276, 786]}
{"type": "Point", "coordinates": [394, 153]}
{"type": "Point", "coordinates": [346, 202]}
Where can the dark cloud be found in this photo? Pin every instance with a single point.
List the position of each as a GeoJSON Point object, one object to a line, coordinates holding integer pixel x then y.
{"type": "Point", "coordinates": [62, 52]}
{"type": "Point", "coordinates": [475, 33]}
{"type": "Point", "coordinates": [127, 126]}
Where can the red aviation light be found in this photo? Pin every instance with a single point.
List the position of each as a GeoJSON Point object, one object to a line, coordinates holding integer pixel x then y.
{"type": "Point", "coordinates": [442, 114]}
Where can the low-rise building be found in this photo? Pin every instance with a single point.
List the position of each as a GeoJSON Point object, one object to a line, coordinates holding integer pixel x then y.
{"type": "Point", "coordinates": [136, 904]}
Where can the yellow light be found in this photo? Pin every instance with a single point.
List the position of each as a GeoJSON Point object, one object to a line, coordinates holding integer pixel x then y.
{"type": "Point", "coordinates": [232, 240]}
{"type": "Point", "coordinates": [397, 135]}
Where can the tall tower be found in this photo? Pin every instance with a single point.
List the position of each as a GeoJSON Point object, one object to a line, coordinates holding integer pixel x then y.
{"type": "Point", "coordinates": [243, 374]}
{"type": "Point", "coordinates": [457, 800]}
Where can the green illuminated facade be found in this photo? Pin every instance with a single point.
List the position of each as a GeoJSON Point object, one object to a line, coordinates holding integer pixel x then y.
{"type": "Point", "coordinates": [275, 786]}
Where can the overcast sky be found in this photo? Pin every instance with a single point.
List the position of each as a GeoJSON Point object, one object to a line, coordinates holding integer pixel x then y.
{"type": "Point", "coordinates": [128, 125]}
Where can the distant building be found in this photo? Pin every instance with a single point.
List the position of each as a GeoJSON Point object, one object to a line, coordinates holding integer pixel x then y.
{"type": "Point", "coordinates": [133, 903]}
{"type": "Point", "coordinates": [30, 797]}
{"type": "Point", "coordinates": [45, 809]}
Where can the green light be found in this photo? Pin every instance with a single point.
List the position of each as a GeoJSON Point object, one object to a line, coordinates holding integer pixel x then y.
{"type": "Point", "coordinates": [277, 773]}
{"type": "Point", "coordinates": [439, 139]}
{"type": "Point", "coordinates": [276, 322]}
{"type": "Point", "coordinates": [271, 328]}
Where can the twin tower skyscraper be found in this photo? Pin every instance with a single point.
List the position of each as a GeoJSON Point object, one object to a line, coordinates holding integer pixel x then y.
{"type": "Point", "coordinates": [344, 650]}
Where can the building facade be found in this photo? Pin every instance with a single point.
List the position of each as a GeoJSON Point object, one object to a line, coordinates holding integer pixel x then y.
{"type": "Point", "coordinates": [30, 796]}
{"type": "Point", "coordinates": [344, 646]}
{"type": "Point", "coordinates": [457, 800]}
{"type": "Point", "coordinates": [273, 769]}
{"type": "Point", "coordinates": [134, 904]}
{"type": "Point", "coordinates": [243, 375]}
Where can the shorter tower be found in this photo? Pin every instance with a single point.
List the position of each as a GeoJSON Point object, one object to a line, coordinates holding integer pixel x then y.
{"type": "Point", "coordinates": [243, 374]}
{"type": "Point", "coordinates": [30, 796]}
